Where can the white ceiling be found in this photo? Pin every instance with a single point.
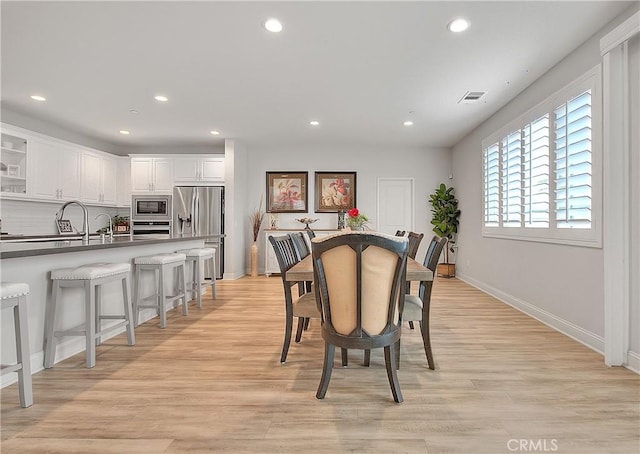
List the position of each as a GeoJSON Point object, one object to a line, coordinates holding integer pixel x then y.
{"type": "Point", "coordinates": [359, 68]}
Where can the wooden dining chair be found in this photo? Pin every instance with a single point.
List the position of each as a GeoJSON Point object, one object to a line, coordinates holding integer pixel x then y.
{"type": "Point", "coordinates": [359, 283]}
{"type": "Point", "coordinates": [414, 243]}
{"type": "Point", "coordinates": [417, 307]}
{"type": "Point", "coordinates": [303, 307]}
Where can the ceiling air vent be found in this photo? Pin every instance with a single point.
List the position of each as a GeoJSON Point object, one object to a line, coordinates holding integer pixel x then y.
{"type": "Point", "coordinates": [471, 96]}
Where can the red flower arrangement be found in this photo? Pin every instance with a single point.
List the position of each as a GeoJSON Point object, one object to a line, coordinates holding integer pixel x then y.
{"type": "Point", "coordinates": [356, 219]}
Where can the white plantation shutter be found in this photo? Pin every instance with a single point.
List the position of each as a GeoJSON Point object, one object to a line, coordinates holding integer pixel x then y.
{"type": "Point", "coordinates": [541, 177]}
{"type": "Point", "coordinates": [492, 185]}
{"type": "Point", "coordinates": [535, 154]}
{"type": "Point", "coordinates": [573, 163]}
{"type": "Point", "coordinates": [511, 180]}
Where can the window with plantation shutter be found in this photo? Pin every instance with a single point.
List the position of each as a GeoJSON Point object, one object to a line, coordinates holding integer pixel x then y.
{"type": "Point", "coordinates": [541, 172]}
{"type": "Point", "coordinates": [573, 163]}
{"type": "Point", "coordinates": [511, 180]}
{"type": "Point", "coordinates": [492, 185]}
{"type": "Point", "coordinates": [535, 154]}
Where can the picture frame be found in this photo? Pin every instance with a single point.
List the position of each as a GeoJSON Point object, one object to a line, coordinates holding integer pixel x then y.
{"type": "Point", "coordinates": [335, 191]}
{"type": "Point", "coordinates": [13, 170]}
{"type": "Point", "coordinates": [287, 192]}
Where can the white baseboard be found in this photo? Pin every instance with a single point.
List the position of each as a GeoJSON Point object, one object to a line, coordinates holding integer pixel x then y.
{"type": "Point", "coordinates": [591, 340]}
{"type": "Point", "coordinates": [633, 362]}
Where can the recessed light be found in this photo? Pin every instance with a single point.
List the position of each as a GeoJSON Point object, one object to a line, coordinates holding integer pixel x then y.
{"type": "Point", "coordinates": [161, 98]}
{"type": "Point", "coordinates": [124, 132]}
{"type": "Point", "coordinates": [314, 122]}
{"type": "Point", "coordinates": [458, 25]}
{"type": "Point", "coordinates": [134, 112]}
{"type": "Point", "coordinates": [273, 25]}
{"type": "Point", "coordinates": [214, 133]}
{"type": "Point", "coordinates": [408, 123]}
{"type": "Point", "coordinates": [38, 98]}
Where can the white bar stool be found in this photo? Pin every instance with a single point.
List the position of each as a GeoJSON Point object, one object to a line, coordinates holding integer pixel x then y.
{"type": "Point", "coordinates": [197, 257]}
{"type": "Point", "coordinates": [90, 277]}
{"type": "Point", "coordinates": [160, 264]}
{"type": "Point", "coordinates": [14, 294]}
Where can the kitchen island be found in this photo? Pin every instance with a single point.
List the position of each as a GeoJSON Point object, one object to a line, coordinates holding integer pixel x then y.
{"type": "Point", "coordinates": [31, 262]}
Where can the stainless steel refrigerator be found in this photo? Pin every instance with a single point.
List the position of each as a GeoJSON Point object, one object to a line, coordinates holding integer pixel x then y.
{"type": "Point", "coordinates": [199, 210]}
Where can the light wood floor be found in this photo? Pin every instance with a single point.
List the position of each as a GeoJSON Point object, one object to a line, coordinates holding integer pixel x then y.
{"type": "Point", "coordinates": [212, 382]}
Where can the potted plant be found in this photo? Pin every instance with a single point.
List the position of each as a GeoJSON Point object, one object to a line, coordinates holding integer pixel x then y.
{"type": "Point", "coordinates": [446, 217]}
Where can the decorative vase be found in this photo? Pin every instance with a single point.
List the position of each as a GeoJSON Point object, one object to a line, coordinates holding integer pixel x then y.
{"type": "Point", "coordinates": [358, 228]}
{"type": "Point", "coordinates": [341, 216]}
{"type": "Point", "coordinates": [254, 259]}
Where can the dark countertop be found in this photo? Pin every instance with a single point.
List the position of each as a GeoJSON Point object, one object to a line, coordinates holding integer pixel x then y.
{"type": "Point", "coordinates": [56, 244]}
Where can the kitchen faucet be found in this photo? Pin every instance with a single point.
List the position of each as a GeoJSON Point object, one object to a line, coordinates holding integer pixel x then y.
{"type": "Point", "coordinates": [85, 224]}
{"type": "Point", "coordinates": [110, 224]}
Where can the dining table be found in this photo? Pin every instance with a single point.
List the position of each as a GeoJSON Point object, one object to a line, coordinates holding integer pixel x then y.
{"type": "Point", "coordinates": [303, 271]}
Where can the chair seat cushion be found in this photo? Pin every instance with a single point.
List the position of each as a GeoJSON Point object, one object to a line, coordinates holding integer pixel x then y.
{"type": "Point", "coordinates": [198, 252]}
{"type": "Point", "coordinates": [13, 289]}
{"type": "Point", "coordinates": [305, 306]}
{"type": "Point", "coordinates": [91, 271]}
{"type": "Point", "coordinates": [412, 308]}
{"type": "Point", "coordinates": [160, 259]}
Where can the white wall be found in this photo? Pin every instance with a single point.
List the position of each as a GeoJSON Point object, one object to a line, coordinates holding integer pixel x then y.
{"type": "Point", "coordinates": [561, 285]}
{"type": "Point", "coordinates": [429, 167]}
{"type": "Point", "coordinates": [634, 202]}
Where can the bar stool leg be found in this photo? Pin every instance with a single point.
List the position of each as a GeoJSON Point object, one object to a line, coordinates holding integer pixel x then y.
{"type": "Point", "coordinates": [90, 325]}
{"type": "Point", "coordinates": [22, 343]}
{"type": "Point", "coordinates": [161, 298]}
{"type": "Point", "coordinates": [182, 288]}
{"type": "Point", "coordinates": [196, 280]}
{"type": "Point", "coordinates": [131, 336]}
{"type": "Point", "coordinates": [136, 296]}
{"type": "Point", "coordinates": [98, 312]}
{"type": "Point", "coordinates": [50, 335]}
{"type": "Point", "coordinates": [214, 290]}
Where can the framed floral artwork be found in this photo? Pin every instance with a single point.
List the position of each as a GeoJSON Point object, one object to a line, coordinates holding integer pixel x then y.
{"type": "Point", "coordinates": [335, 191]}
{"type": "Point", "coordinates": [287, 192]}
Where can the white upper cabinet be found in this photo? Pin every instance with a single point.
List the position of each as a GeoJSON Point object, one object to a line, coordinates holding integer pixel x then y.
{"type": "Point", "coordinates": [55, 170]}
{"type": "Point", "coordinates": [198, 169]}
{"type": "Point", "coordinates": [13, 176]}
{"type": "Point", "coordinates": [124, 181]}
{"type": "Point", "coordinates": [151, 174]}
{"type": "Point", "coordinates": [99, 178]}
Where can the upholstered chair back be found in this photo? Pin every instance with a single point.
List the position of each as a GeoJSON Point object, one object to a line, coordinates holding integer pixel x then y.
{"type": "Point", "coordinates": [358, 278]}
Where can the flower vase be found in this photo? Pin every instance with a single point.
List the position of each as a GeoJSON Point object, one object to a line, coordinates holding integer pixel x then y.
{"type": "Point", "coordinates": [254, 259]}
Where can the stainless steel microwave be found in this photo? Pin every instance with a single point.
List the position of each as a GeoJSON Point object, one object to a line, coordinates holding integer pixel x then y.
{"type": "Point", "coordinates": [151, 208]}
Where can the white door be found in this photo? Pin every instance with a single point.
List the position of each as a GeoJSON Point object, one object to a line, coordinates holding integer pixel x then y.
{"type": "Point", "coordinates": [395, 204]}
